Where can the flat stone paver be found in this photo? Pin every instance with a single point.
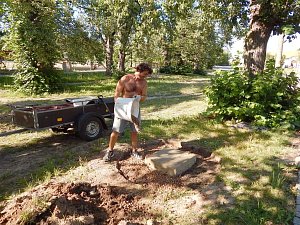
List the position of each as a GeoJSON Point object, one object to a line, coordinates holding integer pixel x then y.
{"type": "Point", "coordinates": [171, 161]}
{"type": "Point", "coordinates": [297, 161]}
{"type": "Point", "coordinates": [297, 209]}
{"type": "Point", "coordinates": [296, 221]}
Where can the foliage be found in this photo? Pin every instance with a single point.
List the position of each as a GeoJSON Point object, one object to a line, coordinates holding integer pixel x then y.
{"type": "Point", "coordinates": [200, 71]}
{"type": "Point", "coordinates": [222, 59]}
{"type": "Point", "coordinates": [117, 74]}
{"type": "Point", "coordinates": [179, 69]}
{"type": "Point", "coordinates": [32, 38]}
{"type": "Point", "coordinates": [201, 46]}
{"type": "Point", "coordinates": [31, 81]}
{"type": "Point", "coordinates": [76, 44]}
{"type": "Point", "coordinates": [111, 25]}
{"type": "Point", "coordinates": [269, 99]}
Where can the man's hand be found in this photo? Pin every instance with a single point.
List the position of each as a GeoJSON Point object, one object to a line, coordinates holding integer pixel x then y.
{"type": "Point", "coordinates": [138, 97]}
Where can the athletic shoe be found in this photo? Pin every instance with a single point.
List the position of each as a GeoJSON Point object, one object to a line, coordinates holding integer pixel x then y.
{"type": "Point", "coordinates": [108, 156]}
{"type": "Point", "coordinates": [136, 155]}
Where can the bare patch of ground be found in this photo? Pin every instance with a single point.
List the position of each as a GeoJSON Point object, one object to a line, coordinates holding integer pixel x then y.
{"type": "Point", "coordinates": [124, 191]}
{"type": "Point", "coordinates": [79, 203]}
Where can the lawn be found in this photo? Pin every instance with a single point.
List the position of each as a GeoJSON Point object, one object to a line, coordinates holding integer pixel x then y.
{"type": "Point", "coordinates": [255, 173]}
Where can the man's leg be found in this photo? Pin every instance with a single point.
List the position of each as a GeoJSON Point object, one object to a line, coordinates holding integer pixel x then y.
{"type": "Point", "coordinates": [110, 151]}
{"type": "Point", "coordinates": [118, 126]}
{"type": "Point", "coordinates": [134, 141]}
{"type": "Point", "coordinates": [113, 139]}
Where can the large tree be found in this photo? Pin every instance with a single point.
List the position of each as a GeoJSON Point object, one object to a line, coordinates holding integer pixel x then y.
{"type": "Point", "coordinates": [256, 20]}
{"type": "Point", "coordinates": [127, 21]}
{"type": "Point", "coordinates": [76, 44]}
{"type": "Point", "coordinates": [32, 38]}
{"type": "Point", "coordinates": [201, 45]}
{"type": "Point", "coordinates": [112, 23]}
{"type": "Point", "coordinates": [267, 17]}
{"type": "Point", "coordinates": [100, 22]}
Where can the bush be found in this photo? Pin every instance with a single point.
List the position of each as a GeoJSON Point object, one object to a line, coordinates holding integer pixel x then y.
{"type": "Point", "coordinates": [31, 81]}
{"type": "Point", "coordinates": [179, 69]}
{"type": "Point", "coordinates": [117, 74]}
{"type": "Point", "coordinates": [200, 72]}
{"type": "Point", "coordinates": [269, 99]}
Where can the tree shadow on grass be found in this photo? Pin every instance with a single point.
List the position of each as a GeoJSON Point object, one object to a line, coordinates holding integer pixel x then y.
{"type": "Point", "coordinates": [260, 195]}
{"type": "Point", "coordinates": [207, 135]}
{"type": "Point", "coordinates": [31, 162]}
{"type": "Point", "coordinates": [257, 203]}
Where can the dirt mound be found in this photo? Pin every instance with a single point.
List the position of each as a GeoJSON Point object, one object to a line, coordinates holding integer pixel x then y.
{"type": "Point", "coordinates": [136, 195]}
{"type": "Point", "coordinates": [79, 203]}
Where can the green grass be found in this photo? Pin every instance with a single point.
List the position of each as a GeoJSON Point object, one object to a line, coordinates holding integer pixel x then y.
{"type": "Point", "coordinates": [252, 168]}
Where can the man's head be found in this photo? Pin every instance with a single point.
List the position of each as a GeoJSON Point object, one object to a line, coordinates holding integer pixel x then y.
{"type": "Point", "coordinates": [143, 70]}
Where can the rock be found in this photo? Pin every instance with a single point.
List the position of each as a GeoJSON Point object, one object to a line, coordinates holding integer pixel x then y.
{"type": "Point", "coordinates": [297, 161]}
{"type": "Point", "coordinates": [296, 221]}
{"type": "Point", "coordinates": [192, 147]}
{"type": "Point", "coordinates": [151, 222]}
{"type": "Point", "coordinates": [175, 143]}
{"type": "Point", "coordinates": [87, 219]}
{"type": "Point", "coordinates": [298, 210]}
{"type": "Point", "coordinates": [123, 222]}
{"type": "Point", "coordinates": [171, 161]}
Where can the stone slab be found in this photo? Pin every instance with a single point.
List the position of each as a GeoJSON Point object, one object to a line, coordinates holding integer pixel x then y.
{"type": "Point", "coordinates": [297, 210]}
{"type": "Point", "coordinates": [296, 221]}
{"type": "Point", "coordinates": [171, 161]}
{"type": "Point", "coordinates": [297, 161]}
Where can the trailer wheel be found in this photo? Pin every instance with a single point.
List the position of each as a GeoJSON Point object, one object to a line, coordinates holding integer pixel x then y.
{"type": "Point", "coordinates": [91, 128]}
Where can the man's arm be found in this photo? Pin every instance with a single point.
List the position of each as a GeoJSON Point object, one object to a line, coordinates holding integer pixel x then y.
{"type": "Point", "coordinates": [119, 88]}
{"type": "Point", "coordinates": [144, 93]}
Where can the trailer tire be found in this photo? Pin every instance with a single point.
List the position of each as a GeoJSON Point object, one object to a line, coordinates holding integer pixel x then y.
{"type": "Point", "coordinates": [90, 129]}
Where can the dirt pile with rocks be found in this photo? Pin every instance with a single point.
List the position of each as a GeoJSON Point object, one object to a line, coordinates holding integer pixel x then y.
{"type": "Point", "coordinates": [123, 192]}
{"type": "Point", "coordinates": [79, 203]}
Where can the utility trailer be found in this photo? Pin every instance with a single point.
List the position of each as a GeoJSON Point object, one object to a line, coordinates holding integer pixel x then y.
{"type": "Point", "coordinates": [85, 115]}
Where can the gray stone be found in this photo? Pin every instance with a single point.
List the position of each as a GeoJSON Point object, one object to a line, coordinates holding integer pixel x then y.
{"type": "Point", "coordinates": [296, 221]}
{"type": "Point", "coordinates": [297, 210]}
{"type": "Point", "coordinates": [297, 161]}
{"type": "Point", "coordinates": [171, 161]}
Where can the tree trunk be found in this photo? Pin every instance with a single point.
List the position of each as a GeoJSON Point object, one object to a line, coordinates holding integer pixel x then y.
{"type": "Point", "coordinates": [196, 66]}
{"type": "Point", "coordinates": [122, 56]}
{"type": "Point", "coordinates": [167, 57]}
{"type": "Point", "coordinates": [256, 42]}
{"type": "Point", "coordinates": [278, 61]}
{"type": "Point", "coordinates": [109, 47]}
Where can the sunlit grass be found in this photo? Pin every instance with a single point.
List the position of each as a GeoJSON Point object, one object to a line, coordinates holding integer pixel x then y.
{"type": "Point", "coordinates": [251, 165]}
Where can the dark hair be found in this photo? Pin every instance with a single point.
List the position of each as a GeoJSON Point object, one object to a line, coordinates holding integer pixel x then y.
{"type": "Point", "coordinates": [144, 67]}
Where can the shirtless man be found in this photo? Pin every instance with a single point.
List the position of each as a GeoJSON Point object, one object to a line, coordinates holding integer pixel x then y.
{"type": "Point", "coordinates": [129, 86]}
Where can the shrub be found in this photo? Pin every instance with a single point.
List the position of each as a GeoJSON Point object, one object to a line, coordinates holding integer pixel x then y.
{"type": "Point", "coordinates": [178, 69]}
{"type": "Point", "coordinates": [117, 74]}
{"type": "Point", "coordinates": [200, 72]}
{"type": "Point", "coordinates": [31, 81]}
{"type": "Point", "coordinates": [269, 99]}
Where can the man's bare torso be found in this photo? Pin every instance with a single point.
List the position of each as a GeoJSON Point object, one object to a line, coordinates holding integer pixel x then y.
{"type": "Point", "coordinates": [130, 85]}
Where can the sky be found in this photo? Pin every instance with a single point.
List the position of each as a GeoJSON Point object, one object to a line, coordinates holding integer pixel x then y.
{"type": "Point", "coordinates": [272, 45]}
